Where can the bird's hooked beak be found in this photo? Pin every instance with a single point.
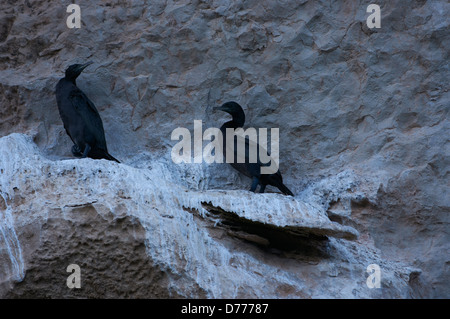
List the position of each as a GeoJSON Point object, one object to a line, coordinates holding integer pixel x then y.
{"type": "Point", "coordinates": [84, 66]}
{"type": "Point", "coordinates": [219, 108]}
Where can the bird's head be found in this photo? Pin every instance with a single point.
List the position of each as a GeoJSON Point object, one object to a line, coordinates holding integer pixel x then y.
{"type": "Point", "coordinates": [236, 111]}
{"type": "Point", "coordinates": [230, 107]}
{"type": "Point", "coordinates": [75, 70]}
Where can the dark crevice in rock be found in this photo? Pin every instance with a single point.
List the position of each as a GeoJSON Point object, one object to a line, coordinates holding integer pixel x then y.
{"type": "Point", "coordinates": [268, 237]}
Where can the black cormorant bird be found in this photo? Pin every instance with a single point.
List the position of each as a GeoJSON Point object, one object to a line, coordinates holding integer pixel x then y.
{"type": "Point", "coordinates": [80, 117]}
{"type": "Point", "coordinates": [252, 170]}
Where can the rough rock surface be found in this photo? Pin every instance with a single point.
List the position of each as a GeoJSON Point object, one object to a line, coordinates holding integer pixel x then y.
{"type": "Point", "coordinates": [363, 119]}
{"type": "Point", "coordinates": [140, 231]}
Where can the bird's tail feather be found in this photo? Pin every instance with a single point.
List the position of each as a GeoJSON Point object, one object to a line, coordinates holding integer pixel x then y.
{"type": "Point", "coordinates": [100, 153]}
{"type": "Point", "coordinates": [284, 189]}
{"type": "Point", "coordinates": [111, 158]}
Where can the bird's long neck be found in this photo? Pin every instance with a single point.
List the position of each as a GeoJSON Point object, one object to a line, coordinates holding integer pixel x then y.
{"type": "Point", "coordinates": [237, 121]}
{"type": "Point", "coordinates": [71, 80]}
{"type": "Point", "coordinates": [231, 124]}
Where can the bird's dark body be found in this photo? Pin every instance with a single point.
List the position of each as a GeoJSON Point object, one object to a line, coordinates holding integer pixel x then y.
{"type": "Point", "coordinates": [81, 120]}
{"type": "Point", "coordinates": [252, 170]}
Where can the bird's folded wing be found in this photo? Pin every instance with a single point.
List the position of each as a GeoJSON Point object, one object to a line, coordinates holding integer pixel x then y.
{"type": "Point", "coordinates": [86, 109]}
{"type": "Point", "coordinates": [252, 153]}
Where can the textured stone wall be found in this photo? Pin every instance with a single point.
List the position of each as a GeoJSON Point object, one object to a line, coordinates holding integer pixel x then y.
{"type": "Point", "coordinates": [136, 232]}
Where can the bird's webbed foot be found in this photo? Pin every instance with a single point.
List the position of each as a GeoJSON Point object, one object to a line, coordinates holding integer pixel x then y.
{"type": "Point", "coordinates": [255, 183]}
{"type": "Point", "coordinates": [76, 151]}
{"type": "Point", "coordinates": [262, 188]}
{"type": "Point", "coordinates": [87, 149]}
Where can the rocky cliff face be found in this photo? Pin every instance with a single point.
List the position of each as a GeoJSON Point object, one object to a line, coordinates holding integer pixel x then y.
{"type": "Point", "coordinates": [363, 119]}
